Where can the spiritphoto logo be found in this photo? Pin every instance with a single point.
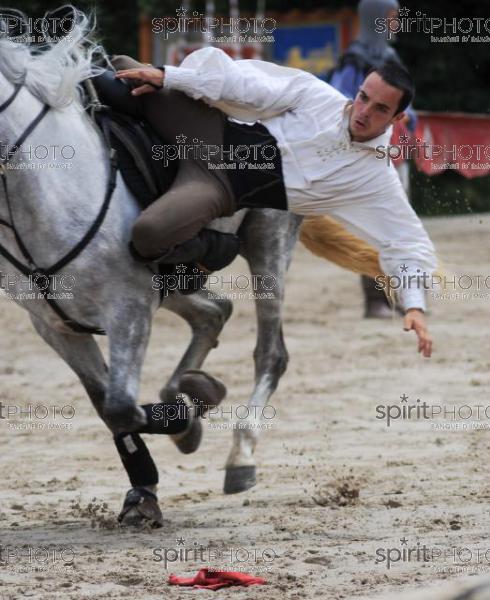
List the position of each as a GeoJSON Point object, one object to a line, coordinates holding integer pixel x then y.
{"type": "Point", "coordinates": [216, 29]}
{"type": "Point", "coordinates": [234, 558]}
{"type": "Point", "coordinates": [27, 30]}
{"type": "Point", "coordinates": [24, 559]}
{"type": "Point", "coordinates": [37, 286]}
{"type": "Point", "coordinates": [36, 157]}
{"type": "Point", "coordinates": [234, 286]}
{"type": "Point", "coordinates": [453, 156]}
{"type": "Point", "coordinates": [218, 156]}
{"type": "Point", "coordinates": [463, 286]}
{"type": "Point", "coordinates": [37, 416]}
{"type": "Point", "coordinates": [441, 29]}
{"type": "Point", "coordinates": [239, 416]}
{"type": "Point", "coordinates": [457, 417]}
{"type": "Point", "coordinates": [440, 557]}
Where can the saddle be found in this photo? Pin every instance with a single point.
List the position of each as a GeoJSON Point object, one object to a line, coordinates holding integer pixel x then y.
{"type": "Point", "coordinates": [131, 137]}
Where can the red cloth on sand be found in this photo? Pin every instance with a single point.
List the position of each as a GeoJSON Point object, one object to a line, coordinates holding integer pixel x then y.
{"type": "Point", "coordinates": [214, 580]}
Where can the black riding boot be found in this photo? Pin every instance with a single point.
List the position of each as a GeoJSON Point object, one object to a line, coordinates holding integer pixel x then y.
{"type": "Point", "coordinates": [376, 305]}
{"type": "Point", "coordinates": [208, 251]}
{"type": "Point", "coordinates": [117, 94]}
{"type": "Point", "coordinates": [212, 250]}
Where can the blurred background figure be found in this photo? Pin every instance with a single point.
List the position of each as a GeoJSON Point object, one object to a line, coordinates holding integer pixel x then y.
{"type": "Point", "coordinates": [371, 49]}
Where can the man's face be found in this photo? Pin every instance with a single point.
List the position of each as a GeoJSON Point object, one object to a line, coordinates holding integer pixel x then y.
{"type": "Point", "coordinates": [374, 108]}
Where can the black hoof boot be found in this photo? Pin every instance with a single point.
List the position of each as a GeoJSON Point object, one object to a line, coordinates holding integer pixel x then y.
{"type": "Point", "coordinates": [140, 508]}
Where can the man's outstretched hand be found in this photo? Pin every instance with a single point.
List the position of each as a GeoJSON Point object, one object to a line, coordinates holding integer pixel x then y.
{"type": "Point", "coordinates": [415, 319]}
{"type": "Point", "coordinates": [147, 79]}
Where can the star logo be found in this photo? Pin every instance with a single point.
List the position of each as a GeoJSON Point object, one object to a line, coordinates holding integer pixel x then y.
{"type": "Point", "coordinates": [181, 138]}
{"type": "Point", "coordinates": [403, 12]}
{"type": "Point", "coordinates": [180, 541]}
{"type": "Point", "coordinates": [404, 398]}
{"type": "Point", "coordinates": [404, 268]}
{"type": "Point", "coordinates": [180, 269]}
{"type": "Point", "coordinates": [403, 139]}
{"type": "Point", "coordinates": [404, 541]}
{"type": "Point", "coordinates": [181, 12]}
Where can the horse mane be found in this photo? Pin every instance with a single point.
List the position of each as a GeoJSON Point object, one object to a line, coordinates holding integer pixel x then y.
{"type": "Point", "coordinates": [53, 73]}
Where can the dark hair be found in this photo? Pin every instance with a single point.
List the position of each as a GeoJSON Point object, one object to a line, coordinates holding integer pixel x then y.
{"type": "Point", "coordinates": [396, 75]}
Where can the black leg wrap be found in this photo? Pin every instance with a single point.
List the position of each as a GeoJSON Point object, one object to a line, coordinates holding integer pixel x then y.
{"type": "Point", "coordinates": [136, 459]}
{"type": "Point", "coordinates": [166, 418]}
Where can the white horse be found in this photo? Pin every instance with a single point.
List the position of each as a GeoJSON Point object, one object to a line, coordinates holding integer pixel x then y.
{"type": "Point", "coordinates": [51, 209]}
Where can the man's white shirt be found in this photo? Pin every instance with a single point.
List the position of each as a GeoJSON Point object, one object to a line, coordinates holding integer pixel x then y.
{"type": "Point", "coordinates": [324, 171]}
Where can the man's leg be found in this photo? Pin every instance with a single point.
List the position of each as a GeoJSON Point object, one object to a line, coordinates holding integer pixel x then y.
{"type": "Point", "coordinates": [172, 229]}
{"type": "Point", "coordinates": [173, 115]}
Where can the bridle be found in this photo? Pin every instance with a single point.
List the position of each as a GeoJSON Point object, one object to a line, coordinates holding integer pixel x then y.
{"type": "Point", "coordinates": [31, 269]}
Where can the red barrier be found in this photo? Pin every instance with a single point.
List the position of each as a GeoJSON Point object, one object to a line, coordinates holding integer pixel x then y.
{"type": "Point", "coordinates": [455, 141]}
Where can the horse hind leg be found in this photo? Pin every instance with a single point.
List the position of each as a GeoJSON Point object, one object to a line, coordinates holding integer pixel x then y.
{"type": "Point", "coordinates": [83, 355]}
{"type": "Point", "coordinates": [268, 240]}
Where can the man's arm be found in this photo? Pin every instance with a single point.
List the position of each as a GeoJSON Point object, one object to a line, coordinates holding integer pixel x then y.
{"type": "Point", "coordinates": [414, 320]}
{"type": "Point", "coordinates": [406, 253]}
{"type": "Point", "coordinates": [209, 74]}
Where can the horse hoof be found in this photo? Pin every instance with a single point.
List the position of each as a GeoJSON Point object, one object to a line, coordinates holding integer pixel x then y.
{"type": "Point", "coordinates": [206, 392]}
{"type": "Point", "coordinates": [190, 440]}
{"type": "Point", "coordinates": [239, 479]}
{"type": "Point", "coordinates": [203, 388]}
{"type": "Point", "coordinates": [140, 509]}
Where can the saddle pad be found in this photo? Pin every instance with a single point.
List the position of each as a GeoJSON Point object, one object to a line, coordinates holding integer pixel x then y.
{"type": "Point", "coordinates": [146, 178]}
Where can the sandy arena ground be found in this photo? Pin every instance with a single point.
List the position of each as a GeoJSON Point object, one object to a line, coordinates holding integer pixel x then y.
{"type": "Point", "coordinates": [336, 488]}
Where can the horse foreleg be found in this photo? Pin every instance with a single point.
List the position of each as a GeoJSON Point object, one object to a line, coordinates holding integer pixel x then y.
{"type": "Point", "coordinates": [269, 240]}
{"type": "Point", "coordinates": [206, 318]}
{"type": "Point", "coordinates": [128, 331]}
{"type": "Point", "coordinates": [205, 315]}
{"type": "Point", "coordinates": [83, 355]}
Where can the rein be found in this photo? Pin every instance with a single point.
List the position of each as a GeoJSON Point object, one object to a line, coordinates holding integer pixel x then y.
{"type": "Point", "coordinates": [31, 269]}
